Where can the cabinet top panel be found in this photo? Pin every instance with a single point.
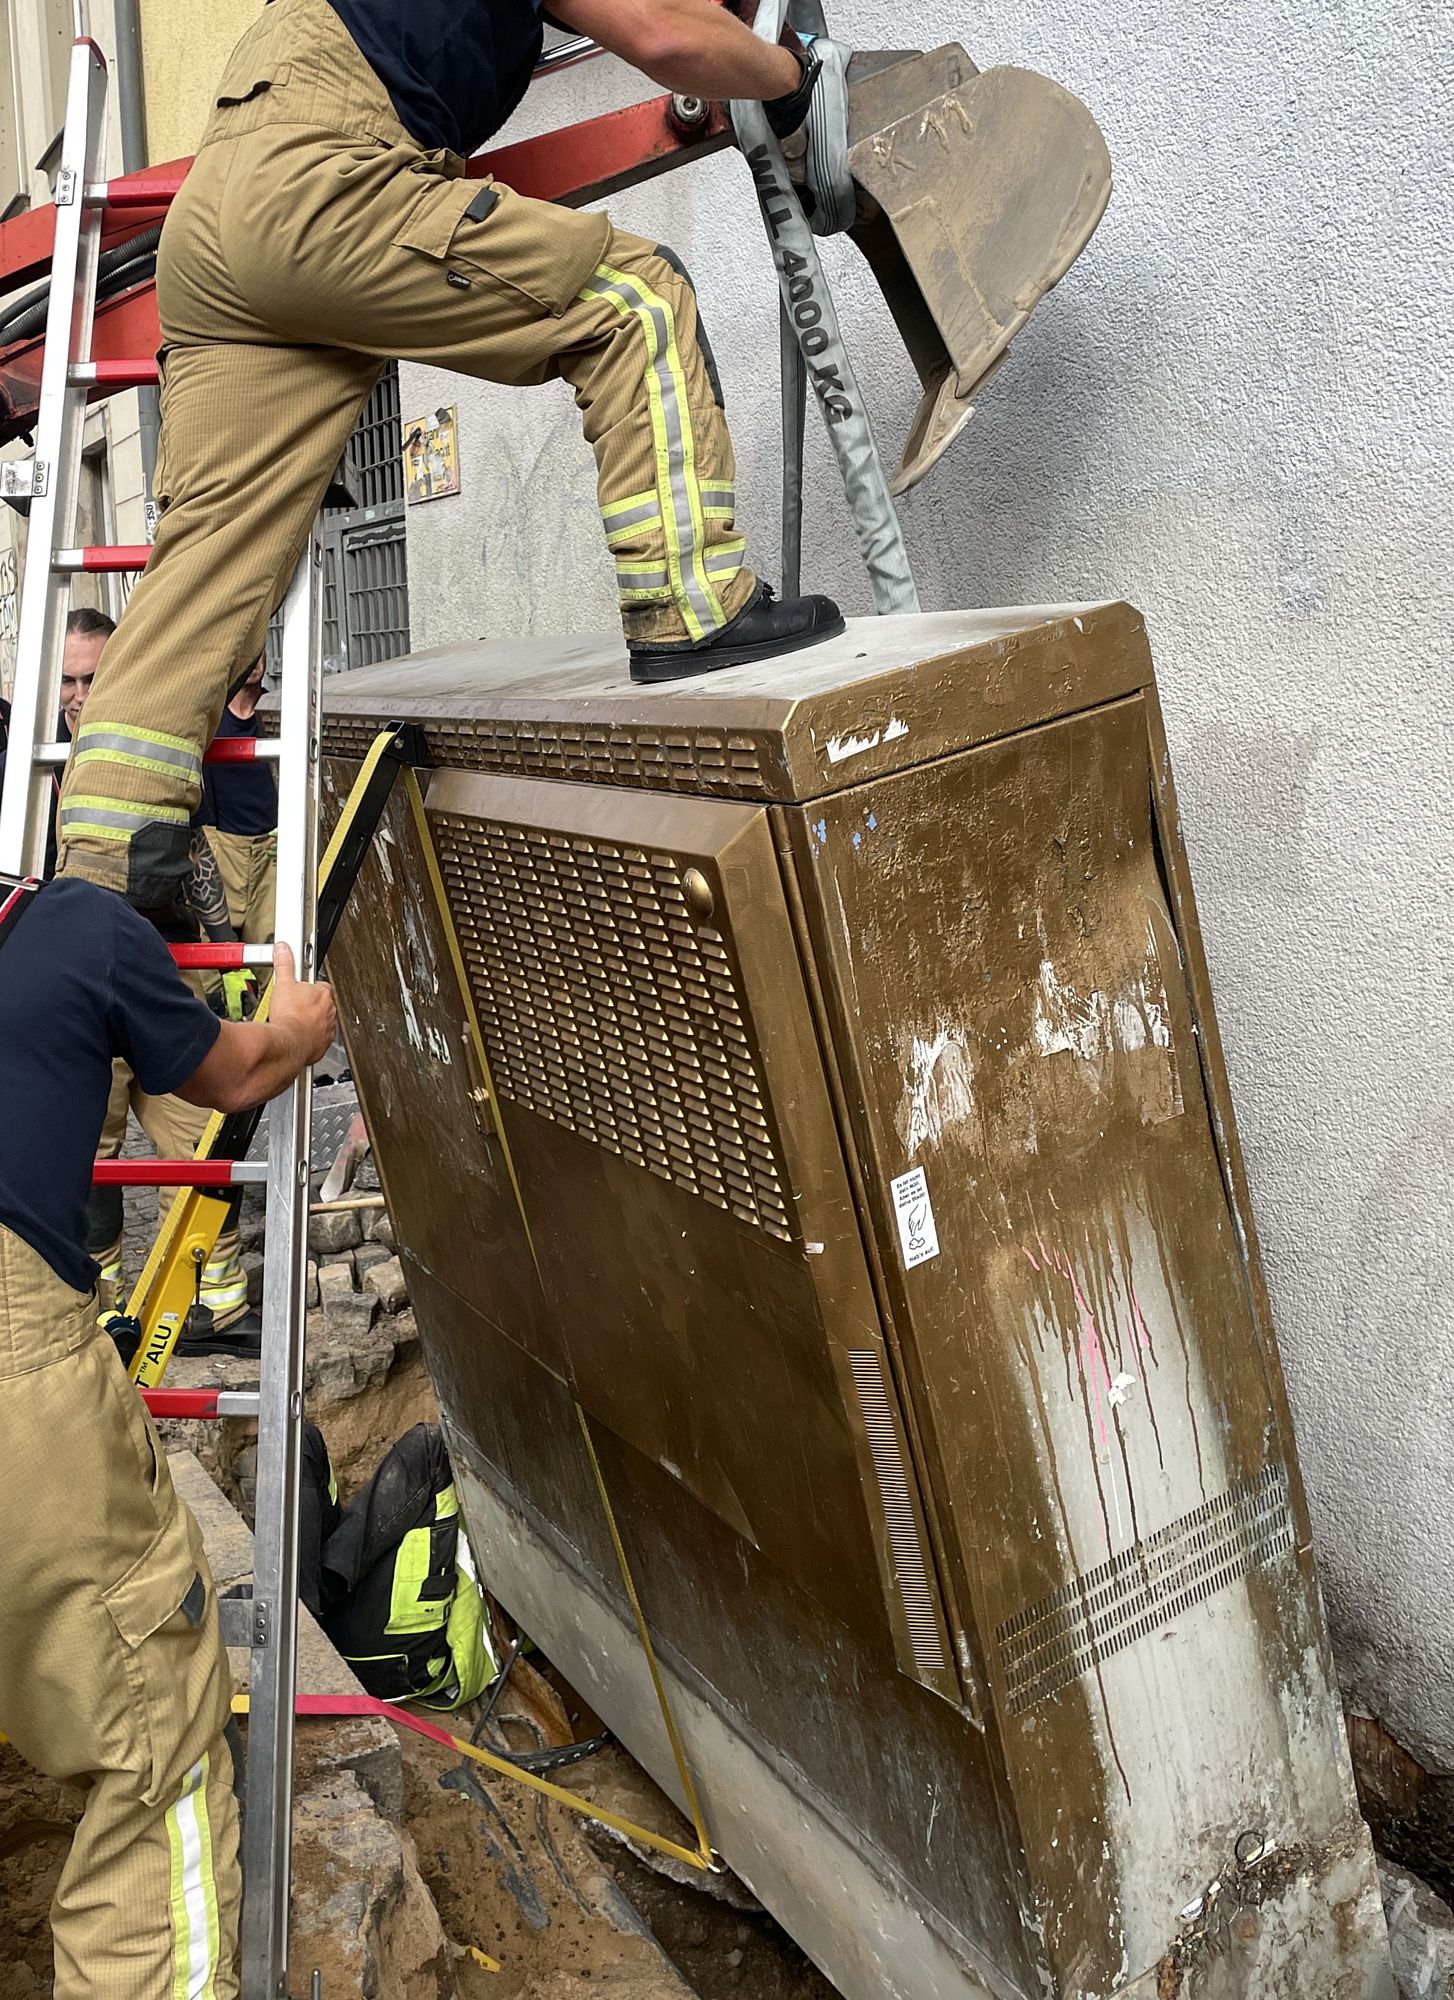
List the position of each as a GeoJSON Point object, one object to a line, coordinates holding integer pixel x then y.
{"type": "Point", "coordinates": [887, 694]}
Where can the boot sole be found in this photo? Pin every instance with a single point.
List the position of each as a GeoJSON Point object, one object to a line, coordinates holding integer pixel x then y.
{"type": "Point", "coordinates": [712, 660]}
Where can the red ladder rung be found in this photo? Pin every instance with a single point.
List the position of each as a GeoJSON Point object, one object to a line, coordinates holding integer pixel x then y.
{"type": "Point", "coordinates": [177, 1173]}
{"type": "Point", "coordinates": [201, 1402]}
{"type": "Point", "coordinates": [122, 374]}
{"type": "Point", "coordinates": [220, 957]}
{"type": "Point", "coordinates": [102, 561]}
{"type": "Point", "coordinates": [144, 190]}
{"type": "Point", "coordinates": [242, 749]}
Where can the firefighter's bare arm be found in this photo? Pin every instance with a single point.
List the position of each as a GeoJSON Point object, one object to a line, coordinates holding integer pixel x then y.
{"type": "Point", "coordinates": [252, 1061]}
{"type": "Point", "coordinates": [686, 45]}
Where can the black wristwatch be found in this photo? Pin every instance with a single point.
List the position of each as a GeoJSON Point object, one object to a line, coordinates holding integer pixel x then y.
{"type": "Point", "coordinates": [786, 114]}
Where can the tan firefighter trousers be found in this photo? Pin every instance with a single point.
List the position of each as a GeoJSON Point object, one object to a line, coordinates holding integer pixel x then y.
{"type": "Point", "coordinates": [311, 240]}
{"type": "Point", "coordinates": [112, 1674]}
{"type": "Point", "coordinates": [248, 865]}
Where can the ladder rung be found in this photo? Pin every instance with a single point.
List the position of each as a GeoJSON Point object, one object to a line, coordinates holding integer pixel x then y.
{"type": "Point", "coordinates": [223, 750]}
{"type": "Point", "coordinates": [201, 1402]}
{"type": "Point", "coordinates": [154, 190]}
{"type": "Point", "coordinates": [243, 749]}
{"type": "Point", "coordinates": [124, 374]}
{"type": "Point", "coordinates": [102, 561]}
{"type": "Point", "coordinates": [177, 1173]}
{"type": "Point", "coordinates": [220, 957]}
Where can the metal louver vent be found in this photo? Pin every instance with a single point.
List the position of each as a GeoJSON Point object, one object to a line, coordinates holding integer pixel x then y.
{"type": "Point", "coordinates": [693, 760]}
{"type": "Point", "coordinates": [1095, 1616]}
{"type": "Point", "coordinates": [910, 1570]}
{"type": "Point", "coordinates": [605, 1008]}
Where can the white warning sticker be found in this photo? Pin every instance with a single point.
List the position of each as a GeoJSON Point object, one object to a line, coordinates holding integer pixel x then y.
{"type": "Point", "coordinates": [914, 1213]}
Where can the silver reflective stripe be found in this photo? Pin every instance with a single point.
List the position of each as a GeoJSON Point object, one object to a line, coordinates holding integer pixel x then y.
{"type": "Point", "coordinates": [677, 425]}
{"type": "Point", "coordinates": [727, 556]}
{"type": "Point", "coordinates": [643, 579]}
{"type": "Point", "coordinates": [100, 741]}
{"type": "Point", "coordinates": [105, 816]}
{"type": "Point", "coordinates": [720, 496]}
{"type": "Point", "coordinates": [633, 517]}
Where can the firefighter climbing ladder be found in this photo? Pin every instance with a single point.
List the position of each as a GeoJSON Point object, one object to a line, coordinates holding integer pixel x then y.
{"type": "Point", "coordinates": [49, 482]}
{"type": "Point", "coordinates": [310, 903]}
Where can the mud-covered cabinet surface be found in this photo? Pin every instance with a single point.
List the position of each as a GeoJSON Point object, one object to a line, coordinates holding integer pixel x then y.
{"type": "Point", "coordinates": [859, 1082]}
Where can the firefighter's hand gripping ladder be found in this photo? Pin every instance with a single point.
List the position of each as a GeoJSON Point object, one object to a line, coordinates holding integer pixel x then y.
{"type": "Point", "coordinates": [49, 481]}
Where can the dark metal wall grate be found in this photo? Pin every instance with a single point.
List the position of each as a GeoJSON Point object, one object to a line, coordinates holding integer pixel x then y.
{"type": "Point", "coordinates": [375, 459]}
{"type": "Point", "coordinates": [376, 584]}
{"type": "Point", "coordinates": [605, 1008]}
{"type": "Point", "coordinates": [1095, 1616]}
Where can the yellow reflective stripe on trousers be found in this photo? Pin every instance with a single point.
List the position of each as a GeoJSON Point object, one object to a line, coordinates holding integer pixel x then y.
{"type": "Point", "coordinates": [618, 514]}
{"type": "Point", "coordinates": [726, 556]}
{"type": "Point", "coordinates": [114, 819]}
{"type": "Point", "coordinates": [673, 443]}
{"type": "Point", "coordinates": [632, 526]}
{"type": "Point", "coordinates": [195, 1934]}
{"type": "Point", "coordinates": [139, 749]}
{"type": "Point", "coordinates": [636, 579]}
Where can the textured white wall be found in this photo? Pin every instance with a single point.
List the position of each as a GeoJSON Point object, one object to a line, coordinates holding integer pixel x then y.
{"type": "Point", "coordinates": [1237, 411]}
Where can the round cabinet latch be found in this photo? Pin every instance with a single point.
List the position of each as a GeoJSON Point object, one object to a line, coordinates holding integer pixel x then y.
{"type": "Point", "coordinates": [698, 892]}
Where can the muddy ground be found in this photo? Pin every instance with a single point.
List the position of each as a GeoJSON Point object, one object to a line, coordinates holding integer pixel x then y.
{"type": "Point", "coordinates": [558, 1908]}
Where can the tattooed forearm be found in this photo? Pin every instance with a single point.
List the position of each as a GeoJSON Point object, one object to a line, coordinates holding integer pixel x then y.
{"type": "Point", "coordinates": [205, 894]}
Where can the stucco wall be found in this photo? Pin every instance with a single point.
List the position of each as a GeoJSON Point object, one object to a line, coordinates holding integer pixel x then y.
{"type": "Point", "coordinates": [1237, 412]}
{"type": "Point", "coordinates": [184, 46]}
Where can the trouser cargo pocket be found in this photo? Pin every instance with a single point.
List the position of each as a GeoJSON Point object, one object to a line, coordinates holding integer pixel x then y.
{"type": "Point", "coordinates": [162, 1613]}
{"type": "Point", "coordinates": [480, 230]}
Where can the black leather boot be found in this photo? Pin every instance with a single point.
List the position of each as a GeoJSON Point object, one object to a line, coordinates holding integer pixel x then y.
{"type": "Point", "coordinates": [762, 629]}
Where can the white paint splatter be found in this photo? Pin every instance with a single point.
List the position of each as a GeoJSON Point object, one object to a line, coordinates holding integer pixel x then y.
{"type": "Point", "coordinates": [840, 747]}
{"type": "Point", "coordinates": [1091, 1025]}
{"type": "Point", "coordinates": [938, 1089]}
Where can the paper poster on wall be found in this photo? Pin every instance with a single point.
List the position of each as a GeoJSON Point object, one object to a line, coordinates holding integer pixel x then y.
{"type": "Point", "coordinates": [431, 456]}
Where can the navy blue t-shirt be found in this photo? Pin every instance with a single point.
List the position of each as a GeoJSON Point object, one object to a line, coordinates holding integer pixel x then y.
{"type": "Point", "coordinates": [455, 69]}
{"type": "Point", "coordinates": [238, 798]}
{"type": "Point", "coordinates": [83, 978]}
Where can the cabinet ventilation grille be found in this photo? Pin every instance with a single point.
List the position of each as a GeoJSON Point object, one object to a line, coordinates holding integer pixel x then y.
{"type": "Point", "coordinates": [911, 1571]}
{"type": "Point", "coordinates": [690, 759]}
{"type": "Point", "coordinates": [607, 1009]}
{"type": "Point", "coordinates": [1095, 1616]}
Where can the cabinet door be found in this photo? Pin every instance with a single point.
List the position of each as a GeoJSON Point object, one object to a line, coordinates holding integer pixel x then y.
{"type": "Point", "coordinates": [644, 1013]}
{"type": "Point", "coordinates": [1070, 1299]}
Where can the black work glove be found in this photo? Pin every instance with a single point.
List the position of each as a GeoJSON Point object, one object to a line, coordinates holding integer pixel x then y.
{"type": "Point", "coordinates": [786, 114]}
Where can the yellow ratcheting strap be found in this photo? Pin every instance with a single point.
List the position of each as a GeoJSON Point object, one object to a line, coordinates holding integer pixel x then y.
{"type": "Point", "coordinates": [482, 1064]}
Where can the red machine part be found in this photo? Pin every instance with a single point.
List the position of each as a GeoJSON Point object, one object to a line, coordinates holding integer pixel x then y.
{"type": "Point", "coordinates": [578, 164]}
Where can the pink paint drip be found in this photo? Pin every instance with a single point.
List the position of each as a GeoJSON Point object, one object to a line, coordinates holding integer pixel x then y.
{"type": "Point", "coordinates": [1093, 1355]}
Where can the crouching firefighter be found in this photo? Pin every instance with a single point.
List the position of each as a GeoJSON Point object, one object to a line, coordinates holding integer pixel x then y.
{"type": "Point", "coordinates": [112, 1673]}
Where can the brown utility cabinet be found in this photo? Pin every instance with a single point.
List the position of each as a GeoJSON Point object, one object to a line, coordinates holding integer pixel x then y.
{"type": "Point", "coordinates": [855, 1050]}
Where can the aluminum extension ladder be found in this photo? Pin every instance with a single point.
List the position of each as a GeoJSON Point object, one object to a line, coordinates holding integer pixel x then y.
{"type": "Point", "coordinates": [267, 1624]}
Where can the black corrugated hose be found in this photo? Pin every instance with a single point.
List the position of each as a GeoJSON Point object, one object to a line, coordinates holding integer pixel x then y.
{"type": "Point", "coordinates": [127, 264]}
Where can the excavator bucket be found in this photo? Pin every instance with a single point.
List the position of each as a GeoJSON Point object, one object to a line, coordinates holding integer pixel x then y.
{"type": "Point", "coordinates": [976, 193]}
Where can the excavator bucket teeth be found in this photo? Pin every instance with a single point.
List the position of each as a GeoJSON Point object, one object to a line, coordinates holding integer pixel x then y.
{"type": "Point", "coordinates": [977, 192]}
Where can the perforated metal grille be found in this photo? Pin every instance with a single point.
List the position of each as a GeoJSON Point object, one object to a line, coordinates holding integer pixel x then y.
{"type": "Point", "coordinates": [605, 1008]}
{"type": "Point", "coordinates": [1095, 1616]}
{"type": "Point", "coordinates": [910, 1568]}
{"type": "Point", "coordinates": [661, 760]}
